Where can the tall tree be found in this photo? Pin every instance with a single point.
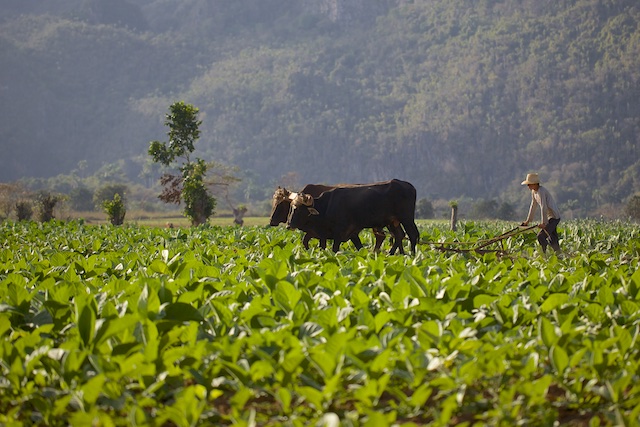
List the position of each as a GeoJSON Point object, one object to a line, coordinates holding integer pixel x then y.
{"type": "Point", "coordinates": [188, 186]}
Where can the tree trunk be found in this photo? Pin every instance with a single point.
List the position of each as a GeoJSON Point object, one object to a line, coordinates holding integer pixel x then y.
{"type": "Point", "coordinates": [454, 217]}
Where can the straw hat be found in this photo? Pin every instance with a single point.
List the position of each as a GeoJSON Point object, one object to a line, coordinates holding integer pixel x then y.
{"type": "Point", "coordinates": [532, 178]}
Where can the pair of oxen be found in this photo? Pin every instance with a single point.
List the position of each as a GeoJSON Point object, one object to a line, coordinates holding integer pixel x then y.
{"type": "Point", "coordinates": [340, 212]}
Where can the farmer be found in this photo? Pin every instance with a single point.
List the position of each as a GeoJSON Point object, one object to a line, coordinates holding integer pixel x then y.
{"type": "Point", "coordinates": [550, 214]}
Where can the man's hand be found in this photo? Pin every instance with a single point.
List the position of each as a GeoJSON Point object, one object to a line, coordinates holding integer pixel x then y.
{"type": "Point", "coordinates": [524, 224]}
{"type": "Point", "coordinates": [541, 226]}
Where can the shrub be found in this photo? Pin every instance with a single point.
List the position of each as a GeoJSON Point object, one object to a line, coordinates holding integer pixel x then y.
{"type": "Point", "coordinates": [46, 203]}
{"type": "Point", "coordinates": [107, 193]}
{"type": "Point", "coordinates": [115, 209]}
{"type": "Point", "coordinates": [24, 211]}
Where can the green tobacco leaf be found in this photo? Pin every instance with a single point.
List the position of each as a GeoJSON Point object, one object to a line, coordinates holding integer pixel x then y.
{"type": "Point", "coordinates": [595, 313]}
{"type": "Point", "coordinates": [158, 266]}
{"type": "Point", "coordinates": [376, 419]}
{"type": "Point", "coordinates": [148, 303]}
{"type": "Point", "coordinates": [547, 332]}
{"type": "Point", "coordinates": [483, 299]}
{"type": "Point", "coordinates": [285, 398]}
{"type": "Point", "coordinates": [92, 388]}
{"type": "Point", "coordinates": [286, 295]}
{"type": "Point", "coordinates": [86, 322]}
{"type": "Point", "coordinates": [420, 395]}
{"type": "Point", "coordinates": [359, 298]}
{"type": "Point", "coordinates": [399, 293]}
{"type": "Point", "coordinates": [111, 327]}
{"type": "Point", "coordinates": [366, 319]}
{"type": "Point", "coordinates": [311, 395]}
{"type": "Point", "coordinates": [223, 312]}
{"type": "Point", "coordinates": [559, 359]}
{"type": "Point", "coordinates": [605, 296]}
{"type": "Point", "coordinates": [624, 339]}
{"type": "Point", "coordinates": [629, 308]}
{"type": "Point", "coordinates": [381, 319]}
{"type": "Point", "coordinates": [260, 370]}
{"type": "Point", "coordinates": [182, 312]}
{"type": "Point", "coordinates": [553, 301]}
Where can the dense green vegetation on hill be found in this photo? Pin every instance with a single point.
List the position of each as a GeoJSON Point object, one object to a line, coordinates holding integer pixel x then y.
{"type": "Point", "coordinates": [462, 98]}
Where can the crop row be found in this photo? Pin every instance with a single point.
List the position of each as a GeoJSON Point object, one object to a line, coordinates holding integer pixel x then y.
{"type": "Point", "coordinates": [221, 325]}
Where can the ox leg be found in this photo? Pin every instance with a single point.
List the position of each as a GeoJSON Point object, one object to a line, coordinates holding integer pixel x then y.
{"type": "Point", "coordinates": [355, 238]}
{"type": "Point", "coordinates": [398, 236]}
{"type": "Point", "coordinates": [379, 234]}
{"type": "Point", "coordinates": [305, 240]}
{"type": "Point", "coordinates": [414, 234]}
{"type": "Point", "coordinates": [323, 243]}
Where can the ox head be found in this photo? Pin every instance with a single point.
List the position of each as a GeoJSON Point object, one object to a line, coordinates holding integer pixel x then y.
{"type": "Point", "coordinates": [301, 209]}
{"type": "Point", "coordinates": [280, 204]}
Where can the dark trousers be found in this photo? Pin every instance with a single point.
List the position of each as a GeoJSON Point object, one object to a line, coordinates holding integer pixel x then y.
{"type": "Point", "coordinates": [548, 236]}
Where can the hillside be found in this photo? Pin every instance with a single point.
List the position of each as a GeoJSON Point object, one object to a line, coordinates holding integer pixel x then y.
{"type": "Point", "coordinates": [462, 98]}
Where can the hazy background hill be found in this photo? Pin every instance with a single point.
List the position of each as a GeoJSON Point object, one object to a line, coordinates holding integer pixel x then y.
{"type": "Point", "coordinates": [460, 97]}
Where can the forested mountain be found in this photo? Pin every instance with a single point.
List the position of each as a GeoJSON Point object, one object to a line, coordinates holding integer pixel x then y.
{"type": "Point", "coordinates": [460, 97]}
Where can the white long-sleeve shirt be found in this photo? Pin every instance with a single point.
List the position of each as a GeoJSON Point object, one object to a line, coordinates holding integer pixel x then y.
{"type": "Point", "coordinates": [548, 208]}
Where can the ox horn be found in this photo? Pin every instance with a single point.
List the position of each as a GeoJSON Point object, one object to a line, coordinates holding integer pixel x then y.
{"type": "Point", "coordinates": [281, 194]}
{"type": "Point", "coordinates": [299, 199]}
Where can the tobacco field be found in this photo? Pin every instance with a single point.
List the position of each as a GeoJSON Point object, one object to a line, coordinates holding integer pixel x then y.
{"type": "Point", "coordinates": [132, 325]}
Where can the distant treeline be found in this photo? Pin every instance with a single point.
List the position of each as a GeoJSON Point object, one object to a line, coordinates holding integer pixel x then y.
{"type": "Point", "coordinates": [460, 97]}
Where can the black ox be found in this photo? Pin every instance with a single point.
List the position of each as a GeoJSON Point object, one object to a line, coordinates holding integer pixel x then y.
{"type": "Point", "coordinates": [342, 212]}
{"type": "Point", "coordinates": [281, 204]}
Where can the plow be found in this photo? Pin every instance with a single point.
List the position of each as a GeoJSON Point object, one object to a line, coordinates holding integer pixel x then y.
{"type": "Point", "coordinates": [481, 246]}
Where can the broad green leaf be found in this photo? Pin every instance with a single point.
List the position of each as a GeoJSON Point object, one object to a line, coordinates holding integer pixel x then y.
{"type": "Point", "coordinates": [625, 340]}
{"type": "Point", "coordinates": [148, 303]}
{"type": "Point", "coordinates": [629, 308]}
{"type": "Point", "coordinates": [366, 320]}
{"type": "Point", "coordinates": [260, 370]}
{"type": "Point", "coordinates": [483, 300]}
{"type": "Point", "coordinates": [286, 295]}
{"type": "Point", "coordinates": [158, 266]}
{"type": "Point", "coordinates": [554, 301]}
{"type": "Point", "coordinates": [559, 359]}
{"type": "Point", "coordinates": [359, 299]}
{"type": "Point", "coordinates": [86, 321]}
{"type": "Point", "coordinates": [325, 361]}
{"type": "Point", "coordinates": [376, 419]}
{"type": "Point", "coordinates": [285, 399]}
{"type": "Point", "coordinates": [92, 389]}
{"type": "Point", "coordinates": [311, 395]}
{"type": "Point", "coordinates": [605, 296]}
{"type": "Point", "coordinates": [547, 332]}
{"type": "Point", "coordinates": [382, 361]}
{"type": "Point", "coordinates": [111, 327]}
{"type": "Point", "coordinates": [292, 360]}
{"type": "Point", "coordinates": [421, 395]}
{"type": "Point", "coordinates": [381, 319]}
{"type": "Point", "coordinates": [181, 312]}
{"type": "Point", "coordinates": [399, 292]}
{"type": "Point", "coordinates": [240, 398]}
{"type": "Point", "coordinates": [594, 312]}
{"type": "Point", "coordinates": [5, 323]}
{"type": "Point", "coordinates": [223, 312]}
